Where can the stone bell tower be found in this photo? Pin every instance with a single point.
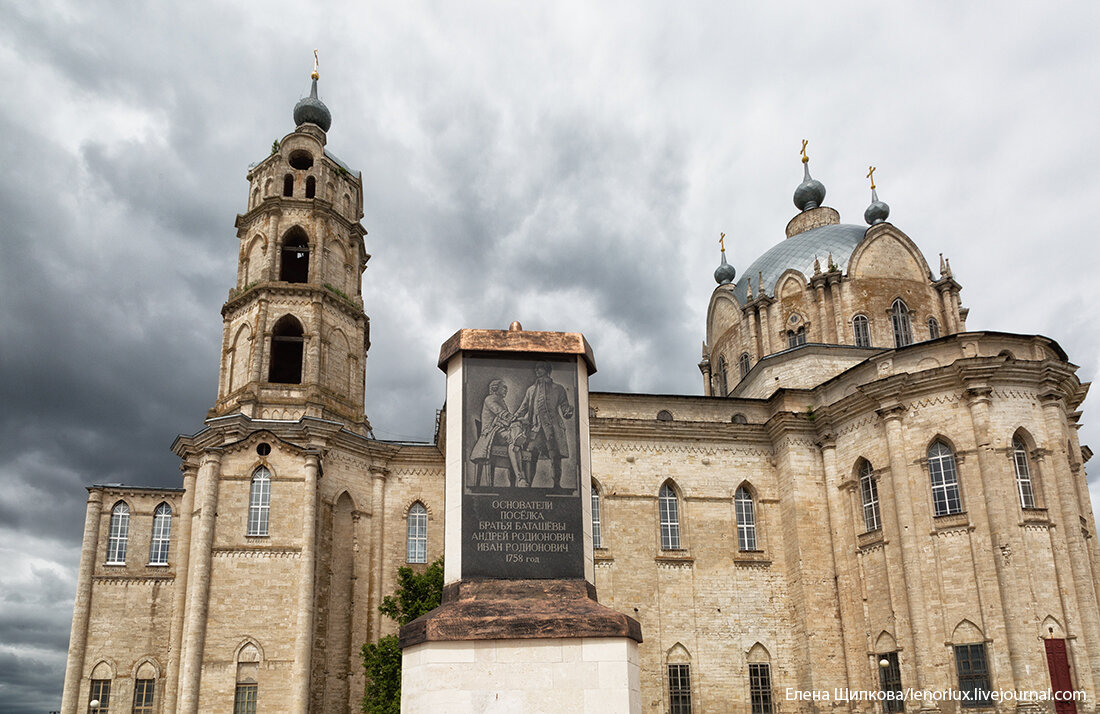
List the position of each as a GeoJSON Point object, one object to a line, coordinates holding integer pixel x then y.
{"type": "Point", "coordinates": [295, 334]}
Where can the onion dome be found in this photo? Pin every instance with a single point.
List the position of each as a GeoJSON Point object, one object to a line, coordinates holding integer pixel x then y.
{"type": "Point", "coordinates": [311, 110]}
{"type": "Point", "coordinates": [878, 211]}
{"type": "Point", "coordinates": [725, 273]}
{"type": "Point", "coordinates": [811, 192]}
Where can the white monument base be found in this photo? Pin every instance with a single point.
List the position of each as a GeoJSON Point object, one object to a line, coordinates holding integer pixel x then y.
{"type": "Point", "coordinates": [594, 674]}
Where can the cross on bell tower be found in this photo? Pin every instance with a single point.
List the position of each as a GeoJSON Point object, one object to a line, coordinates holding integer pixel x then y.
{"type": "Point", "coordinates": [295, 334]}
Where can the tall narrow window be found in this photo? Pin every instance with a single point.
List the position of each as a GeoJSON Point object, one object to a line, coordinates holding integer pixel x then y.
{"type": "Point", "coordinates": [760, 688]}
{"type": "Point", "coordinates": [244, 699]}
{"type": "Point", "coordinates": [670, 518]}
{"type": "Point", "coordinates": [861, 330]}
{"type": "Point", "coordinates": [744, 364]}
{"type": "Point", "coordinates": [119, 535]}
{"type": "Point", "coordinates": [903, 328]}
{"type": "Point", "coordinates": [679, 689]}
{"type": "Point", "coordinates": [933, 328]}
{"type": "Point", "coordinates": [796, 337]}
{"type": "Point", "coordinates": [162, 532]}
{"type": "Point", "coordinates": [295, 257]}
{"type": "Point", "coordinates": [100, 692]}
{"type": "Point", "coordinates": [597, 535]}
{"type": "Point", "coordinates": [143, 696]}
{"type": "Point", "coordinates": [973, 671]}
{"type": "Point", "coordinates": [1023, 473]}
{"type": "Point", "coordinates": [287, 344]}
{"type": "Point", "coordinates": [868, 490]}
{"type": "Point", "coordinates": [311, 187]}
{"type": "Point", "coordinates": [746, 519]}
{"type": "Point", "coordinates": [288, 185]}
{"type": "Point", "coordinates": [889, 678]}
{"type": "Point", "coordinates": [945, 480]}
{"type": "Point", "coordinates": [259, 502]}
{"type": "Point", "coordinates": [246, 695]}
{"type": "Point", "coordinates": [416, 539]}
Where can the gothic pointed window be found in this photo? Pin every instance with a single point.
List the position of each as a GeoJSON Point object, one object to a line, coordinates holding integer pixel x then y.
{"type": "Point", "coordinates": [119, 534]}
{"type": "Point", "coordinates": [745, 510]}
{"type": "Point", "coordinates": [162, 531]}
{"type": "Point", "coordinates": [760, 688]}
{"type": "Point", "coordinates": [945, 480]}
{"type": "Point", "coordinates": [416, 534]}
{"type": "Point", "coordinates": [744, 364]}
{"type": "Point", "coordinates": [933, 328]}
{"type": "Point", "coordinates": [100, 691]}
{"type": "Point", "coordinates": [287, 344]}
{"type": "Point", "coordinates": [295, 257]}
{"type": "Point", "coordinates": [868, 491]}
{"type": "Point", "coordinates": [669, 504]}
{"type": "Point", "coordinates": [972, 668]}
{"type": "Point", "coordinates": [679, 689]}
{"type": "Point", "coordinates": [861, 331]}
{"type": "Point", "coordinates": [597, 535]}
{"type": "Point", "coordinates": [259, 502]}
{"type": "Point", "coordinates": [1023, 473]}
{"type": "Point", "coordinates": [903, 327]}
{"type": "Point", "coordinates": [889, 678]}
{"type": "Point", "coordinates": [796, 337]}
{"type": "Point", "coordinates": [144, 689]}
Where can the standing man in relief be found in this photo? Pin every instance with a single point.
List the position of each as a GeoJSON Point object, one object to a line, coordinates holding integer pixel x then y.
{"type": "Point", "coordinates": [543, 412]}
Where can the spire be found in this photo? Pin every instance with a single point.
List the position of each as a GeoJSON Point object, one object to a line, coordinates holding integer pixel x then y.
{"type": "Point", "coordinates": [943, 266]}
{"type": "Point", "coordinates": [811, 192]}
{"type": "Point", "coordinates": [760, 283]}
{"type": "Point", "coordinates": [311, 110]}
{"type": "Point", "coordinates": [725, 273]}
{"type": "Point", "coordinates": [817, 266]}
{"type": "Point", "coordinates": [748, 289]}
{"type": "Point", "coordinates": [878, 211]}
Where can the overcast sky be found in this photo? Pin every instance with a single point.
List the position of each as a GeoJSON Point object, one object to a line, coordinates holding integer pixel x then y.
{"type": "Point", "coordinates": [569, 165]}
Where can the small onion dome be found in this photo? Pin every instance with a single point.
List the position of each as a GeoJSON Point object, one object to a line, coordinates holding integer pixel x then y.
{"type": "Point", "coordinates": [725, 273]}
{"type": "Point", "coordinates": [810, 193]}
{"type": "Point", "coordinates": [312, 110]}
{"type": "Point", "coordinates": [877, 212]}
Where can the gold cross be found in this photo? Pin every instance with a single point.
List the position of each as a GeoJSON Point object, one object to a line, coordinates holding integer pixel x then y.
{"type": "Point", "coordinates": [722, 241]}
{"type": "Point", "coordinates": [871, 175]}
{"type": "Point", "coordinates": [804, 157]}
{"type": "Point", "coordinates": [315, 75]}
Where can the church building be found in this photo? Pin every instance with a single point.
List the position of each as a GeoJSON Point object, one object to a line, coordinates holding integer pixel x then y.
{"type": "Point", "coordinates": [867, 499]}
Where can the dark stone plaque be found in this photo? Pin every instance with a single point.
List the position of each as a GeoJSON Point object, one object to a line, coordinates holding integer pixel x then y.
{"type": "Point", "coordinates": [521, 501]}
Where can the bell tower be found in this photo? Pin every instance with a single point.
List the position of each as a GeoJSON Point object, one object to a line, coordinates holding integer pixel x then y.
{"type": "Point", "coordinates": [295, 334]}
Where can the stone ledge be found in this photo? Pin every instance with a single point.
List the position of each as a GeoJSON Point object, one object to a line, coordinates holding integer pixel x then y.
{"type": "Point", "coordinates": [519, 610]}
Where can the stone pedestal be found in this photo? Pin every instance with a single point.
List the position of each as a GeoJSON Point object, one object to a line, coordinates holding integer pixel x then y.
{"type": "Point", "coordinates": [519, 628]}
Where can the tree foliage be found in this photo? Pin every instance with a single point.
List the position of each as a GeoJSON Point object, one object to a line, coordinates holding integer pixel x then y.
{"type": "Point", "coordinates": [416, 594]}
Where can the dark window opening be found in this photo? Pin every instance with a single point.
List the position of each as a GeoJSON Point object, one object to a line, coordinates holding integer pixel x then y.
{"type": "Point", "coordinates": [739, 419]}
{"type": "Point", "coordinates": [301, 160]}
{"type": "Point", "coordinates": [760, 688]}
{"type": "Point", "coordinates": [286, 351]}
{"type": "Point", "coordinates": [263, 449]}
{"type": "Point", "coordinates": [143, 696]}
{"type": "Point", "coordinates": [796, 337]}
{"type": "Point", "coordinates": [970, 663]}
{"type": "Point", "coordinates": [295, 257]}
{"type": "Point", "coordinates": [100, 692]}
{"type": "Point", "coordinates": [311, 187]}
{"type": "Point", "coordinates": [288, 185]}
{"type": "Point", "coordinates": [664, 415]}
{"type": "Point", "coordinates": [889, 677]}
{"type": "Point", "coordinates": [679, 689]}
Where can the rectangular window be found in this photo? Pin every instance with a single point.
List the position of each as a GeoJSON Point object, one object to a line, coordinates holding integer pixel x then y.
{"type": "Point", "coordinates": [597, 535]}
{"type": "Point", "coordinates": [101, 693]}
{"type": "Point", "coordinates": [143, 696]}
{"type": "Point", "coordinates": [679, 689]}
{"type": "Point", "coordinates": [245, 700]}
{"type": "Point", "coordinates": [889, 678]}
{"type": "Point", "coordinates": [760, 688]}
{"type": "Point", "coordinates": [970, 662]}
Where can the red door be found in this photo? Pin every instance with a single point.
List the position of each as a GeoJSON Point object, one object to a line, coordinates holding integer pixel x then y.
{"type": "Point", "coordinates": [1058, 664]}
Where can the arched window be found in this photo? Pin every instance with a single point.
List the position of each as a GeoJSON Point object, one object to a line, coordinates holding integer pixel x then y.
{"type": "Point", "coordinates": [597, 535]}
{"type": "Point", "coordinates": [744, 364]}
{"type": "Point", "coordinates": [868, 491]}
{"type": "Point", "coordinates": [669, 504]}
{"type": "Point", "coordinates": [664, 415]}
{"type": "Point", "coordinates": [796, 337]}
{"type": "Point", "coordinates": [259, 502]}
{"type": "Point", "coordinates": [933, 328]}
{"type": "Point", "coordinates": [247, 690]}
{"type": "Point", "coordinates": [286, 351]}
{"type": "Point", "coordinates": [100, 691]}
{"type": "Point", "coordinates": [1023, 473]}
{"type": "Point", "coordinates": [119, 534]}
{"type": "Point", "coordinates": [162, 531]}
{"type": "Point", "coordinates": [679, 688]}
{"type": "Point", "coordinates": [295, 257]}
{"type": "Point", "coordinates": [145, 686]}
{"type": "Point", "coordinates": [746, 519]}
{"type": "Point", "coordinates": [889, 678]}
{"type": "Point", "coordinates": [861, 330]}
{"type": "Point", "coordinates": [288, 185]}
{"type": "Point", "coordinates": [945, 480]}
{"type": "Point", "coordinates": [311, 187]}
{"type": "Point", "coordinates": [416, 538]}
{"type": "Point", "coordinates": [903, 329]}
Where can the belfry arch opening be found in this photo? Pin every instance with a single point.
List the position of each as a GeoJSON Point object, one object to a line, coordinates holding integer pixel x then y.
{"type": "Point", "coordinates": [287, 342]}
{"type": "Point", "coordinates": [295, 257]}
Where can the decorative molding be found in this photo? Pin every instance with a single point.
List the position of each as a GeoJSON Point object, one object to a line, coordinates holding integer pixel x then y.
{"type": "Point", "coordinates": [133, 579]}
{"type": "Point", "coordinates": [258, 552]}
{"type": "Point", "coordinates": [674, 562]}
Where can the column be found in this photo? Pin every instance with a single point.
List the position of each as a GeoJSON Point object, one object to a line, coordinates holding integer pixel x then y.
{"type": "Point", "coordinates": [823, 330]}
{"type": "Point", "coordinates": [261, 337]}
{"type": "Point", "coordinates": [952, 324]}
{"type": "Point", "coordinates": [754, 332]}
{"type": "Point", "coordinates": [377, 533]}
{"type": "Point", "coordinates": [179, 588]}
{"type": "Point", "coordinates": [78, 635]}
{"type": "Point", "coordinates": [839, 319]}
{"type": "Point", "coordinates": [765, 329]}
{"type": "Point", "coordinates": [303, 646]}
{"type": "Point", "coordinates": [844, 566]}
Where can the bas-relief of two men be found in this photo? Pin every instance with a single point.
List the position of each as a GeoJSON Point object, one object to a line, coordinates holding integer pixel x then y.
{"type": "Point", "coordinates": [534, 431]}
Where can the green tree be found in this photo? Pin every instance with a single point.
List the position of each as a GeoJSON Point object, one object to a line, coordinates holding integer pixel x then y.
{"type": "Point", "coordinates": [416, 594]}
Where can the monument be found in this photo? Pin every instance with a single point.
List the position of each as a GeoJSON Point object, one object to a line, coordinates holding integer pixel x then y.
{"type": "Point", "coordinates": [519, 628]}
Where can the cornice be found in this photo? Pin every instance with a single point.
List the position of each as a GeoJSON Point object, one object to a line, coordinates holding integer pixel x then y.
{"type": "Point", "coordinates": [277, 205]}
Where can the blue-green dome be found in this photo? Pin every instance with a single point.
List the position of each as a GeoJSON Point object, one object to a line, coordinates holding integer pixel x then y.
{"type": "Point", "coordinates": [799, 252]}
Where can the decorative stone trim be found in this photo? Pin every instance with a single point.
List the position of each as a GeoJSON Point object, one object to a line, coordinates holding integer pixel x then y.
{"type": "Point", "coordinates": [952, 521]}
{"type": "Point", "coordinates": [258, 552]}
{"type": "Point", "coordinates": [870, 538]}
{"type": "Point", "coordinates": [751, 557]}
{"type": "Point", "coordinates": [667, 559]}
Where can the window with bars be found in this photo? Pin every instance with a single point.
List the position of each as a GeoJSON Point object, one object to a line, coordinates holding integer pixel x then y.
{"type": "Point", "coordinates": [669, 504]}
{"type": "Point", "coordinates": [244, 699]}
{"type": "Point", "coordinates": [143, 696]}
{"type": "Point", "coordinates": [933, 328]}
{"type": "Point", "coordinates": [679, 689]}
{"type": "Point", "coordinates": [903, 327]}
{"type": "Point", "coordinates": [973, 671]}
{"type": "Point", "coordinates": [945, 480]}
{"type": "Point", "coordinates": [746, 519]}
{"type": "Point", "coordinates": [868, 489]}
{"type": "Point", "coordinates": [1023, 473]}
{"type": "Point", "coordinates": [597, 534]}
{"type": "Point", "coordinates": [760, 688]}
{"type": "Point", "coordinates": [119, 534]}
{"type": "Point", "coordinates": [861, 330]}
{"type": "Point", "coordinates": [100, 692]}
{"type": "Point", "coordinates": [416, 540]}
{"type": "Point", "coordinates": [259, 502]}
{"type": "Point", "coordinates": [889, 678]}
{"type": "Point", "coordinates": [162, 531]}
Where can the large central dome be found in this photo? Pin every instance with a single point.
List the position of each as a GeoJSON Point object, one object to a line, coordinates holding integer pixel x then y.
{"type": "Point", "coordinates": [799, 252]}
